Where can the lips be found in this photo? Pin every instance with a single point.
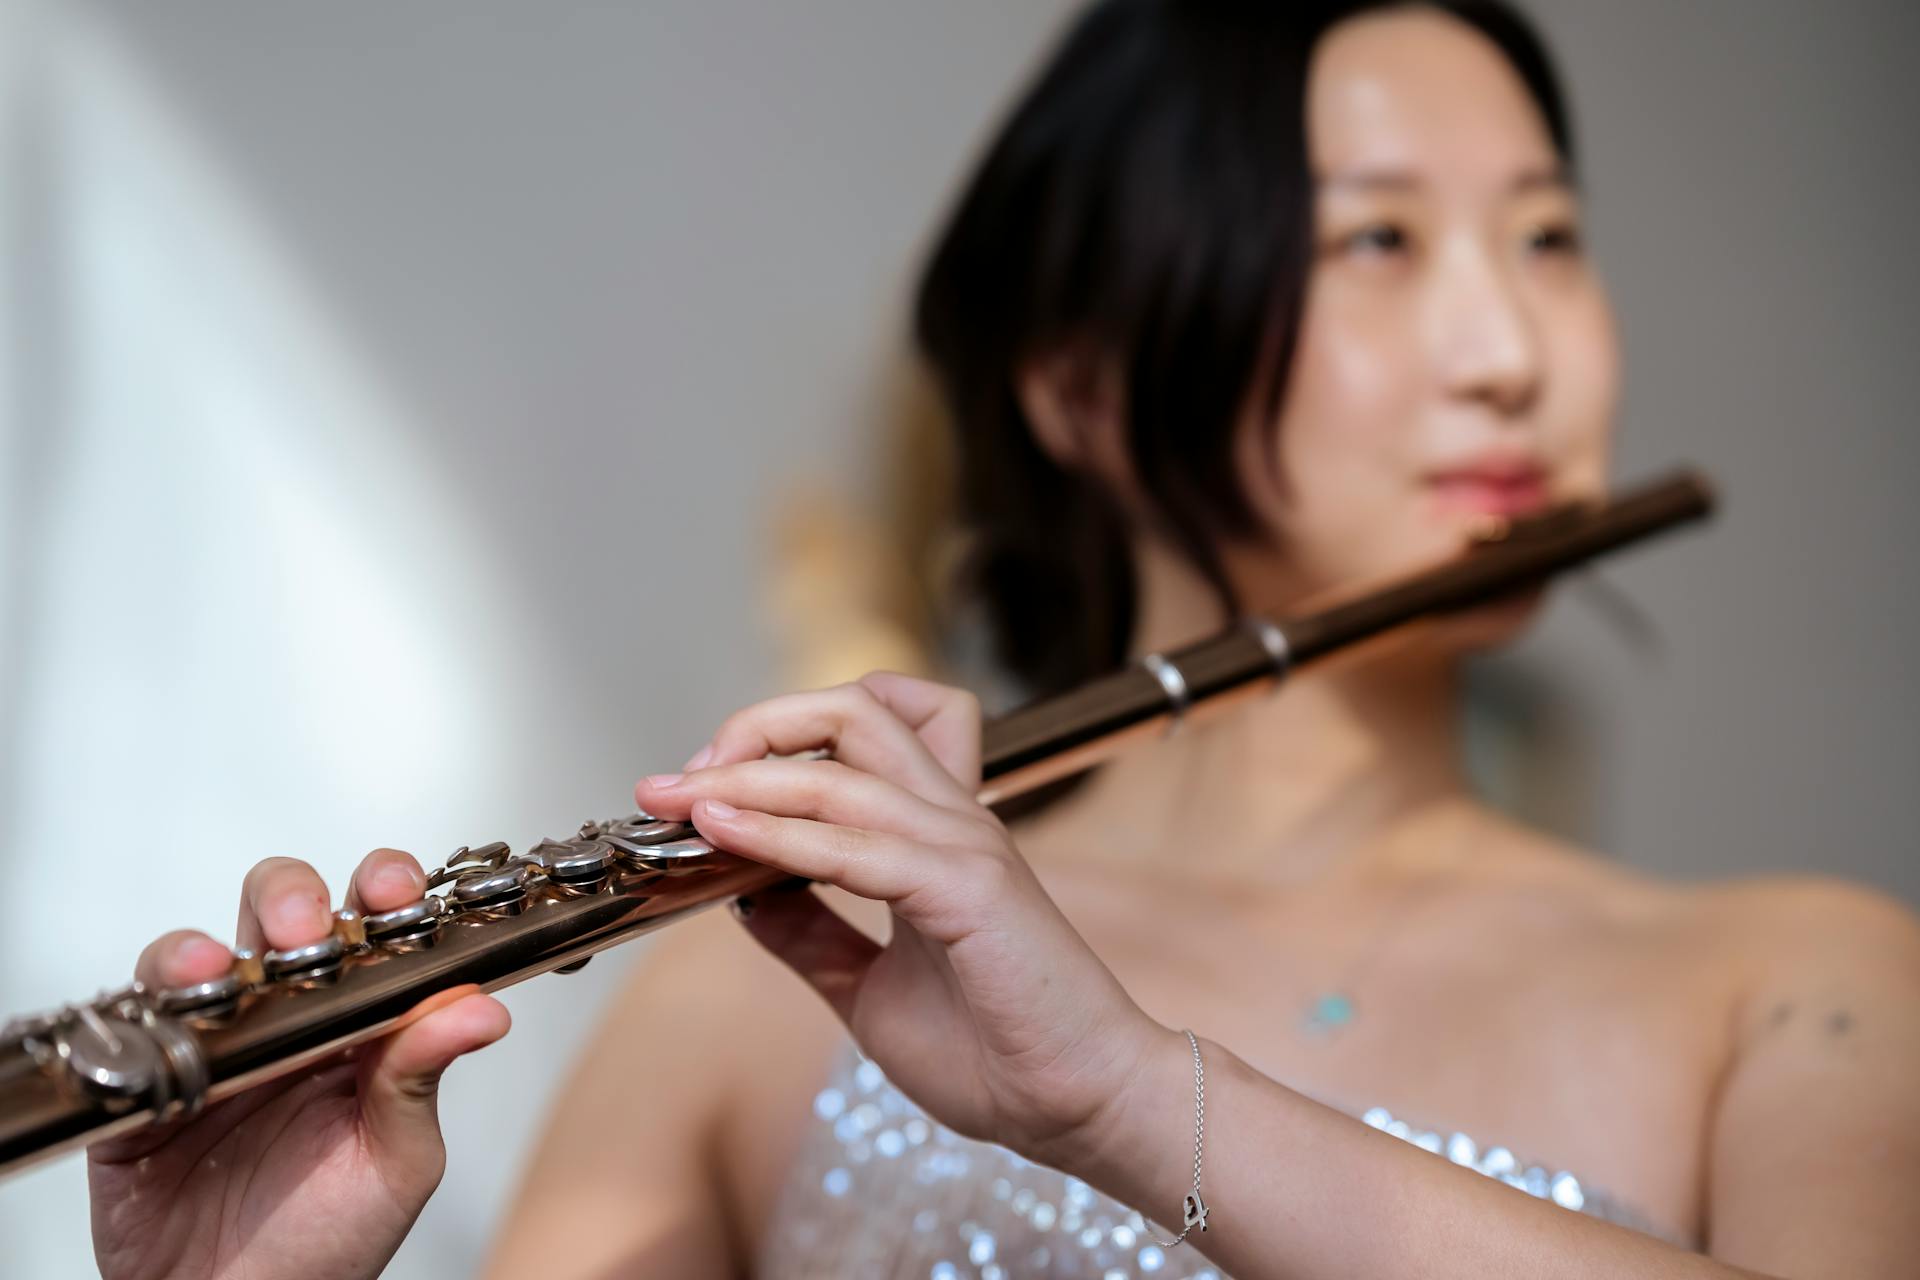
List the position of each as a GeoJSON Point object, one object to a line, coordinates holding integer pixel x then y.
{"type": "Point", "coordinates": [1495, 487]}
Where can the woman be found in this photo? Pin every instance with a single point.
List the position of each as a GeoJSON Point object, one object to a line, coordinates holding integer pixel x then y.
{"type": "Point", "coordinates": [1247, 300]}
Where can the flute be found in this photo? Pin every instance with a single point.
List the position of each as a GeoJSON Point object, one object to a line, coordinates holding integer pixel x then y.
{"type": "Point", "coordinates": [492, 917]}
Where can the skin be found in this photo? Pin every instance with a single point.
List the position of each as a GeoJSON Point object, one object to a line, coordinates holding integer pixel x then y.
{"type": "Point", "coordinates": [1736, 1059]}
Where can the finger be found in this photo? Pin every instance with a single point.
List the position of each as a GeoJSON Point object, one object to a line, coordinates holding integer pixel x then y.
{"type": "Point", "coordinates": [386, 879]}
{"type": "Point", "coordinates": [851, 723]}
{"type": "Point", "coordinates": [813, 940]}
{"type": "Point", "coordinates": [870, 864]}
{"type": "Point", "coordinates": [181, 959]}
{"type": "Point", "coordinates": [400, 1081]}
{"type": "Point", "coordinates": [824, 790]}
{"type": "Point", "coordinates": [946, 719]}
{"type": "Point", "coordinates": [283, 903]}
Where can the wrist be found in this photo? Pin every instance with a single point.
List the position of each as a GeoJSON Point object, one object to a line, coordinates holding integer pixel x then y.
{"type": "Point", "coordinates": [1144, 1130]}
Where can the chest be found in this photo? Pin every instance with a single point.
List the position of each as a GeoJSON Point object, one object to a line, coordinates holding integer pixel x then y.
{"type": "Point", "coordinates": [1573, 1043]}
{"type": "Point", "coordinates": [1574, 1046]}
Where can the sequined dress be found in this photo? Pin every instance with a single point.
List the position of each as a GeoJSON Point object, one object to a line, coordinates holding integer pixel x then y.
{"type": "Point", "coordinates": [879, 1191]}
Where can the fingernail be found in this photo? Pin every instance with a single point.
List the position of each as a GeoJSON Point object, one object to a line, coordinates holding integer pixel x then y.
{"type": "Point", "coordinates": [664, 781]}
{"type": "Point", "coordinates": [699, 760]}
{"type": "Point", "coordinates": [743, 907]}
{"type": "Point", "coordinates": [721, 809]}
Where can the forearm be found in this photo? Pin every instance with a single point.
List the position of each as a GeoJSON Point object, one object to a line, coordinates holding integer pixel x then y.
{"type": "Point", "coordinates": [1297, 1189]}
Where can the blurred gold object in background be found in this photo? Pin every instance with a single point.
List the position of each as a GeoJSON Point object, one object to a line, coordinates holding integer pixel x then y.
{"type": "Point", "coordinates": [860, 584]}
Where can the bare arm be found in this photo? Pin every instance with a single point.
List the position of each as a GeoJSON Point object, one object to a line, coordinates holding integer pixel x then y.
{"type": "Point", "coordinates": [1816, 1146]}
{"type": "Point", "coordinates": [1296, 1189]}
{"type": "Point", "coordinates": [625, 1181]}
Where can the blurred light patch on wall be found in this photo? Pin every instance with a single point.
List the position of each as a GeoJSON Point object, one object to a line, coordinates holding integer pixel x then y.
{"type": "Point", "coordinates": [206, 494]}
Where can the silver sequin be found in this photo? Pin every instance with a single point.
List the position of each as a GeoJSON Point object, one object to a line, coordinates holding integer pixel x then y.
{"type": "Point", "coordinates": [880, 1192]}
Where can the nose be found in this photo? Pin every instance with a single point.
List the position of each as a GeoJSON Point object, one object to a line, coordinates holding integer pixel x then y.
{"type": "Point", "coordinates": [1489, 341]}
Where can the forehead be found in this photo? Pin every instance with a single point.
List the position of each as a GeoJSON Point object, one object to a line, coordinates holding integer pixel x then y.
{"type": "Point", "coordinates": [1421, 91]}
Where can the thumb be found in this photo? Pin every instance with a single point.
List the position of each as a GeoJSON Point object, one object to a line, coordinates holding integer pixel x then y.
{"type": "Point", "coordinates": [400, 1077]}
{"type": "Point", "coordinates": [812, 939]}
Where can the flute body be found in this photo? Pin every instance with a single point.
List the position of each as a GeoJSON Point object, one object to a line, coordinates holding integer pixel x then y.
{"type": "Point", "coordinates": [492, 917]}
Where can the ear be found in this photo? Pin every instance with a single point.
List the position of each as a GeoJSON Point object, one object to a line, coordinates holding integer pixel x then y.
{"type": "Point", "coordinates": [1073, 403]}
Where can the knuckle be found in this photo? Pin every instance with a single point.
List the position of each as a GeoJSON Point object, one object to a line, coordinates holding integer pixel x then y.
{"type": "Point", "coordinates": [741, 723]}
{"type": "Point", "coordinates": [988, 827]}
{"type": "Point", "coordinates": [832, 774]}
{"type": "Point", "coordinates": [810, 795]}
{"type": "Point", "coordinates": [860, 699]}
{"type": "Point", "coordinates": [726, 735]}
{"type": "Point", "coordinates": [848, 846]}
{"type": "Point", "coordinates": [823, 785]}
{"type": "Point", "coordinates": [989, 873]}
{"type": "Point", "coordinates": [423, 1087]}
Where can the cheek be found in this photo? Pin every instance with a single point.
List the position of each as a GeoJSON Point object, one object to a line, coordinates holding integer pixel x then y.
{"type": "Point", "coordinates": [1346, 440]}
{"type": "Point", "coordinates": [1354, 379]}
{"type": "Point", "coordinates": [1583, 390]}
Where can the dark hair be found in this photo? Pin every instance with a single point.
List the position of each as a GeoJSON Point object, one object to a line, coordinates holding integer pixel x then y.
{"type": "Point", "coordinates": [1148, 201]}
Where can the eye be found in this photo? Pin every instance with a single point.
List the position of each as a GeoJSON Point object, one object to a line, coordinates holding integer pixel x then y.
{"type": "Point", "coordinates": [1377, 238]}
{"type": "Point", "coordinates": [1555, 238]}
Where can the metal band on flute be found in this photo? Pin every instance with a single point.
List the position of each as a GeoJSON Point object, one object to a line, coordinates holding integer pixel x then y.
{"type": "Point", "coordinates": [1173, 683]}
{"type": "Point", "coordinates": [1274, 641]}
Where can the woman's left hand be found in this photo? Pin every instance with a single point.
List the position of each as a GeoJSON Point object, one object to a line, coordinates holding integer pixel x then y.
{"type": "Point", "coordinates": [985, 1006]}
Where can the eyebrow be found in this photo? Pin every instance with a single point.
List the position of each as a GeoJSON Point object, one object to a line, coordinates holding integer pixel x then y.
{"type": "Point", "coordinates": [1555, 178]}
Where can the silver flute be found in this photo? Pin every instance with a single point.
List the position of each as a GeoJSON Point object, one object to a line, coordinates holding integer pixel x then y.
{"type": "Point", "coordinates": [492, 917]}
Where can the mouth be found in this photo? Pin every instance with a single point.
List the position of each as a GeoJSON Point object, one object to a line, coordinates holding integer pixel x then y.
{"type": "Point", "coordinates": [1502, 488]}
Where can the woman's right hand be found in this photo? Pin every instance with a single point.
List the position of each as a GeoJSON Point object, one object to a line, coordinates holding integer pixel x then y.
{"type": "Point", "coordinates": [320, 1174]}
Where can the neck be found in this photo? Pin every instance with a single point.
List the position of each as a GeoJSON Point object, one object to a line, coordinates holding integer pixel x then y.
{"type": "Point", "coordinates": [1350, 768]}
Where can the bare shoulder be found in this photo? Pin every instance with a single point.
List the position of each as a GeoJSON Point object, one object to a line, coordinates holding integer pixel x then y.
{"type": "Point", "coordinates": [1808, 909]}
{"type": "Point", "coordinates": [1777, 967]}
{"type": "Point", "coordinates": [1749, 938]}
{"type": "Point", "coordinates": [1790, 917]}
{"type": "Point", "coordinates": [1824, 939]}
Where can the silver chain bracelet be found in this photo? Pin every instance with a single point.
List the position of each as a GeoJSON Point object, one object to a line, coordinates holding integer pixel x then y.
{"type": "Point", "coordinates": [1193, 1208]}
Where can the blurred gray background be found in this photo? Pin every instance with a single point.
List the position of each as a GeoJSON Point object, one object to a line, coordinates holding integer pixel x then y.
{"type": "Point", "coordinates": [392, 399]}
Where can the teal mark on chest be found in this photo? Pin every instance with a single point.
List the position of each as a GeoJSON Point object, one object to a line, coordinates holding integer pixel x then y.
{"type": "Point", "coordinates": [1327, 1014]}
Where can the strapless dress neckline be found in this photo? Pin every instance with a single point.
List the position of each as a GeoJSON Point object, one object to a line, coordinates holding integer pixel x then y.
{"type": "Point", "coordinates": [880, 1191]}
